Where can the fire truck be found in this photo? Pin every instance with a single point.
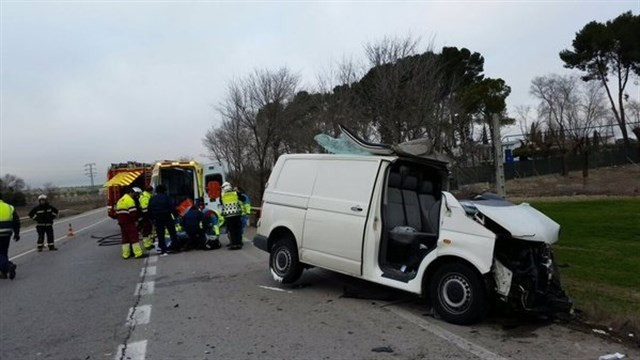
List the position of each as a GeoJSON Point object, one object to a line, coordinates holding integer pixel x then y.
{"type": "Point", "coordinates": [186, 181]}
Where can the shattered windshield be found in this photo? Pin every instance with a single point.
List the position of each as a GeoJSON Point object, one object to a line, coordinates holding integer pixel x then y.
{"type": "Point", "coordinates": [339, 145]}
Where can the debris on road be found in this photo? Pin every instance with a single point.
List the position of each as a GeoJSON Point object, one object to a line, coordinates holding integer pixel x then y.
{"type": "Point", "coordinates": [274, 289]}
{"type": "Point", "coordinates": [615, 356]}
{"type": "Point", "coordinates": [601, 332]}
{"type": "Point", "coordinates": [382, 349]}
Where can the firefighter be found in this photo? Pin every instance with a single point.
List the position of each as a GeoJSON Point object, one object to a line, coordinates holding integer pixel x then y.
{"type": "Point", "coordinates": [9, 224]}
{"type": "Point", "coordinates": [127, 214]}
{"type": "Point", "coordinates": [44, 214]}
{"type": "Point", "coordinates": [162, 209]}
{"type": "Point", "coordinates": [232, 212]}
{"type": "Point", "coordinates": [146, 225]}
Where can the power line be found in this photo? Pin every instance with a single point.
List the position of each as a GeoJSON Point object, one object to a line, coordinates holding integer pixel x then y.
{"type": "Point", "coordinates": [90, 171]}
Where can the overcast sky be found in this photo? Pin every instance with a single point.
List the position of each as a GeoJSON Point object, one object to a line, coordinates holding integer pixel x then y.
{"type": "Point", "coordinates": [115, 81]}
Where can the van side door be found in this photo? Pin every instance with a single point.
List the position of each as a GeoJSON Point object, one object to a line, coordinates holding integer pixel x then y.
{"type": "Point", "coordinates": [337, 213]}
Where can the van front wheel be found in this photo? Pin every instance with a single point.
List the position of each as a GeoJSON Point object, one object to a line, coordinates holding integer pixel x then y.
{"type": "Point", "coordinates": [284, 263]}
{"type": "Point", "coordinates": [458, 294]}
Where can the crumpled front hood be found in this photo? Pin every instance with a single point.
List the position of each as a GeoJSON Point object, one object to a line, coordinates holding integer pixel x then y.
{"type": "Point", "coordinates": [522, 221]}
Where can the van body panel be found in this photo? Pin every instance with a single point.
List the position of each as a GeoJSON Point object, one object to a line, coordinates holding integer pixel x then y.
{"type": "Point", "coordinates": [461, 236]}
{"type": "Point", "coordinates": [337, 213]}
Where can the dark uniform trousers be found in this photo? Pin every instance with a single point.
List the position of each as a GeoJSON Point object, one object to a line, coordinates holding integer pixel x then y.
{"type": "Point", "coordinates": [42, 231]}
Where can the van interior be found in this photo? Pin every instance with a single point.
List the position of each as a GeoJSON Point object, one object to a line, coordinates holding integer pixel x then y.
{"type": "Point", "coordinates": [410, 218]}
{"type": "Point", "coordinates": [179, 182]}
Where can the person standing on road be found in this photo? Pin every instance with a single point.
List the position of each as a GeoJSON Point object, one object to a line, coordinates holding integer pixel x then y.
{"type": "Point", "coordinates": [162, 209]}
{"type": "Point", "coordinates": [127, 214]}
{"type": "Point", "coordinates": [44, 214]}
{"type": "Point", "coordinates": [246, 209]}
{"type": "Point", "coordinates": [232, 212]}
{"type": "Point", "coordinates": [9, 224]}
{"type": "Point", "coordinates": [146, 225]}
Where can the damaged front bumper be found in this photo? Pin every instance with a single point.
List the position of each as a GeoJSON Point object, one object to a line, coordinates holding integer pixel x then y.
{"type": "Point", "coordinates": [526, 278]}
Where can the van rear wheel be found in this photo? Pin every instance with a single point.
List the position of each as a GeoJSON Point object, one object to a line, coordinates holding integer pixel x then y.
{"type": "Point", "coordinates": [458, 294]}
{"type": "Point", "coordinates": [284, 263]}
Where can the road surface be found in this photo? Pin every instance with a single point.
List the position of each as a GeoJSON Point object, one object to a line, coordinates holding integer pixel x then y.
{"type": "Point", "coordinates": [84, 302]}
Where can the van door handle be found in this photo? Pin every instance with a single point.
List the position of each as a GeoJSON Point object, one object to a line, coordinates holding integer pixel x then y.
{"type": "Point", "coordinates": [356, 208]}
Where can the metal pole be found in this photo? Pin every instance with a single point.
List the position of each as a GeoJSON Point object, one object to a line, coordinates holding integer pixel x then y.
{"type": "Point", "coordinates": [498, 157]}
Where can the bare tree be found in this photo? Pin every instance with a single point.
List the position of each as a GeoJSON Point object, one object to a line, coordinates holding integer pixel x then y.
{"type": "Point", "coordinates": [572, 110]}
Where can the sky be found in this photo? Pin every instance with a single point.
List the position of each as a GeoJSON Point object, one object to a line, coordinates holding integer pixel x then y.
{"type": "Point", "coordinates": [110, 81]}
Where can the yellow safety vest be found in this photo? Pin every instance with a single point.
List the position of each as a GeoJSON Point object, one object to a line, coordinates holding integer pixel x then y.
{"type": "Point", "coordinates": [144, 201]}
{"type": "Point", "coordinates": [125, 205]}
{"type": "Point", "coordinates": [6, 219]}
{"type": "Point", "coordinates": [231, 205]}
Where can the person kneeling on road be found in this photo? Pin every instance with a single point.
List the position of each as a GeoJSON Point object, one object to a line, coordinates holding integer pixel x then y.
{"type": "Point", "coordinates": [44, 214]}
{"type": "Point", "coordinates": [9, 224]}
{"type": "Point", "coordinates": [192, 222]}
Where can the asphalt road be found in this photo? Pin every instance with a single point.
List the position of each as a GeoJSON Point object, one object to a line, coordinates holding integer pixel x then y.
{"type": "Point", "coordinates": [84, 302]}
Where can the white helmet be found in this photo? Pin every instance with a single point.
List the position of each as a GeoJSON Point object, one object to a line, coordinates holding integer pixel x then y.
{"type": "Point", "coordinates": [42, 197]}
{"type": "Point", "coordinates": [226, 186]}
{"type": "Point", "coordinates": [137, 190]}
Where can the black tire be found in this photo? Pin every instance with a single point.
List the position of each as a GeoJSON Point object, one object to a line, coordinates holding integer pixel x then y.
{"type": "Point", "coordinates": [284, 263]}
{"type": "Point", "coordinates": [458, 294]}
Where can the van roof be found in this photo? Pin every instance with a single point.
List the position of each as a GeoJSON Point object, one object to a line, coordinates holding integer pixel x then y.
{"type": "Point", "coordinates": [339, 156]}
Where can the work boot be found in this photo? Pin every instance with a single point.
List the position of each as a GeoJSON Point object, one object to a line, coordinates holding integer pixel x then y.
{"type": "Point", "coordinates": [137, 250]}
{"type": "Point", "coordinates": [53, 248]}
{"type": "Point", "coordinates": [40, 247]}
{"type": "Point", "coordinates": [12, 271]}
{"type": "Point", "coordinates": [126, 251]}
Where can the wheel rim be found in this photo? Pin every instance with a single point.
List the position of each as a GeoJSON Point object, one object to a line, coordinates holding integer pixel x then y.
{"type": "Point", "coordinates": [455, 293]}
{"type": "Point", "coordinates": [281, 261]}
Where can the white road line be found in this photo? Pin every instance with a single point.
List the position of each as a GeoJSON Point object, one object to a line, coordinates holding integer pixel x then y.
{"type": "Point", "coordinates": [152, 259]}
{"type": "Point", "coordinates": [446, 335]}
{"type": "Point", "coordinates": [58, 239]}
{"type": "Point", "coordinates": [151, 271]}
{"type": "Point", "coordinates": [274, 289]}
{"type": "Point", "coordinates": [145, 288]}
{"type": "Point", "coordinates": [63, 221]}
{"type": "Point", "coordinates": [139, 315]}
{"type": "Point", "coordinates": [135, 351]}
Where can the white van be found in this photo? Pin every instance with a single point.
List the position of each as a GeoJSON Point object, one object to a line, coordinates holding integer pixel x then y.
{"type": "Point", "coordinates": [386, 219]}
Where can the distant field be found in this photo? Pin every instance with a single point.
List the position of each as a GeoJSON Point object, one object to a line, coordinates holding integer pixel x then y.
{"type": "Point", "coordinates": [600, 243]}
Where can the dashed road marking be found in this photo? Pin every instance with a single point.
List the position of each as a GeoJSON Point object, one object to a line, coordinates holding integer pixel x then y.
{"type": "Point", "coordinates": [152, 259]}
{"type": "Point", "coordinates": [60, 239]}
{"type": "Point", "coordinates": [139, 315]}
{"type": "Point", "coordinates": [145, 288]}
{"type": "Point", "coordinates": [151, 271]}
{"type": "Point", "coordinates": [134, 351]}
{"type": "Point", "coordinates": [447, 335]}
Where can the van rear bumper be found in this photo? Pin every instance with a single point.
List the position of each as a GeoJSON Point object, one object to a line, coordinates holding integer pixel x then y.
{"type": "Point", "coordinates": [261, 242]}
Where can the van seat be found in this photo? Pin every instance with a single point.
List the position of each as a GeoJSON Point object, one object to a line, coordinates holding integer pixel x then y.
{"type": "Point", "coordinates": [429, 207]}
{"type": "Point", "coordinates": [411, 204]}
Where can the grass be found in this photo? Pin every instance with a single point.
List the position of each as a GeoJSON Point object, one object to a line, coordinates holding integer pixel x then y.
{"type": "Point", "coordinates": [600, 242]}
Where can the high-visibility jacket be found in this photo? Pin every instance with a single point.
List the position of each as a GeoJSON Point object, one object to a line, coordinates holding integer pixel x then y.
{"type": "Point", "coordinates": [43, 214]}
{"type": "Point", "coordinates": [231, 205]}
{"type": "Point", "coordinates": [9, 220]}
{"type": "Point", "coordinates": [144, 201]}
{"type": "Point", "coordinates": [246, 205]}
{"type": "Point", "coordinates": [126, 208]}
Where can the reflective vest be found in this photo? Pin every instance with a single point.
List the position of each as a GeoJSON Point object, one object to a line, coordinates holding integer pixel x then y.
{"type": "Point", "coordinates": [6, 219]}
{"type": "Point", "coordinates": [144, 201]}
{"type": "Point", "coordinates": [126, 206]}
{"type": "Point", "coordinates": [246, 206]}
{"type": "Point", "coordinates": [231, 205]}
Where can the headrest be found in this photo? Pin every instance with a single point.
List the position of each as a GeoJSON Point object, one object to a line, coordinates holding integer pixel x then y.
{"type": "Point", "coordinates": [395, 180]}
{"type": "Point", "coordinates": [426, 187]}
{"type": "Point", "coordinates": [410, 183]}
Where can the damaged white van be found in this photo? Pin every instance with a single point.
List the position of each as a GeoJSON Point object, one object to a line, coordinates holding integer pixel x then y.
{"type": "Point", "coordinates": [384, 216]}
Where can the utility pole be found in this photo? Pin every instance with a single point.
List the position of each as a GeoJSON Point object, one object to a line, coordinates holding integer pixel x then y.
{"type": "Point", "coordinates": [90, 171]}
{"type": "Point", "coordinates": [498, 157]}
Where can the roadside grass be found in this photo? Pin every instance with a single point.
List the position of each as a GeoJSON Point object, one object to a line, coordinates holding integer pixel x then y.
{"type": "Point", "coordinates": [600, 244]}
